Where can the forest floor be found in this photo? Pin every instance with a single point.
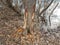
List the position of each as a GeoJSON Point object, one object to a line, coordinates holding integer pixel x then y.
{"type": "Point", "coordinates": [11, 21]}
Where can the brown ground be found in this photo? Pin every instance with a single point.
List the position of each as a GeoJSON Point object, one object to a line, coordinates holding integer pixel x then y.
{"type": "Point", "coordinates": [10, 21]}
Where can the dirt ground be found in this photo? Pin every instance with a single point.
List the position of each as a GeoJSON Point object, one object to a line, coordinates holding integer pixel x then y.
{"type": "Point", "coordinates": [11, 21]}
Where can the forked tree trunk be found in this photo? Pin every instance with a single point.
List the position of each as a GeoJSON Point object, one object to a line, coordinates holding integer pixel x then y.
{"type": "Point", "coordinates": [29, 6]}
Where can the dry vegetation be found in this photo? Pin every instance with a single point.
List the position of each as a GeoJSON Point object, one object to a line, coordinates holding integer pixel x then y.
{"type": "Point", "coordinates": [12, 34]}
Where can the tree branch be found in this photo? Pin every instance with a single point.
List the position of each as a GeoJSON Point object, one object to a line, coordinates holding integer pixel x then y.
{"type": "Point", "coordinates": [52, 12]}
{"type": "Point", "coordinates": [45, 8]}
{"type": "Point", "coordinates": [9, 4]}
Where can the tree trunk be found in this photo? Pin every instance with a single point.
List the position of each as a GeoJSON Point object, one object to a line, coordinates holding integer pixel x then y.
{"type": "Point", "coordinates": [30, 10]}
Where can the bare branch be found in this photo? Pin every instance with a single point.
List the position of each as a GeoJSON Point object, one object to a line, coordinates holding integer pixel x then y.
{"type": "Point", "coordinates": [9, 4]}
{"type": "Point", "coordinates": [46, 8]}
{"type": "Point", "coordinates": [52, 12]}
